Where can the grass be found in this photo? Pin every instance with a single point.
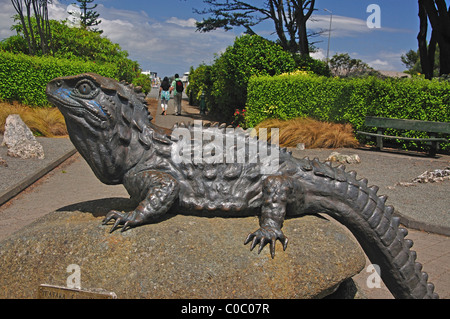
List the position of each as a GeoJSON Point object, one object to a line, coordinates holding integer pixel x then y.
{"type": "Point", "coordinates": [48, 122]}
{"type": "Point", "coordinates": [313, 133]}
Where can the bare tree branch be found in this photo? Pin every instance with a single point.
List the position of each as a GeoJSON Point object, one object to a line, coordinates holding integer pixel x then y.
{"type": "Point", "coordinates": [289, 18]}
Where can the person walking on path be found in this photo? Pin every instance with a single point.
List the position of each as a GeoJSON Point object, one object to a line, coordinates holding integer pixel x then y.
{"type": "Point", "coordinates": [164, 92]}
{"type": "Point", "coordinates": [177, 87]}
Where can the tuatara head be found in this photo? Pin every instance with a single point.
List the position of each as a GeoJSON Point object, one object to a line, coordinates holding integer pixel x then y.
{"type": "Point", "coordinates": [107, 121]}
{"type": "Point", "coordinates": [90, 97]}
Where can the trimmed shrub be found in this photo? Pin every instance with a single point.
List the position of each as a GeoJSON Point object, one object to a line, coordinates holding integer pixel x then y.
{"type": "Point", "coordinates": [23, 78]}
{"type": "Point", "coordinates": [348, 100]}
{"type": "Point", "coordinates": [250, 55]}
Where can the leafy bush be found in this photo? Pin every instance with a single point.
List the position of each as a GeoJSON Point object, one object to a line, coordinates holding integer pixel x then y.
{"type": "Point", "coordinates": [250, 55]}
{"type": "Point", "coordinates": [225, 82]}
{"type": "Point", "coordinates": [200, 82]}
{"type": "Point", "coordinates": [307, 63]}
{"type": "Point", "coordinates": [348, 100]}
{"type": "Point", "coordinates": [23, 78]}
{"type": "Point", "coordinates": [143, 81]}
{"type": "Point", "coordinates": [78, 44]}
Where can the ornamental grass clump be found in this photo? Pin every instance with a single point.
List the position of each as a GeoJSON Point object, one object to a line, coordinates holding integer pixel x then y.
{"type": "Point", "coordinates": [47, 122]}
{"type": "Point", "coordinates": [312, 133]}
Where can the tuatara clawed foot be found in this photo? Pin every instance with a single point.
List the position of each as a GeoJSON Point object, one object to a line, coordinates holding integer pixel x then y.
{"type": "Point", "coordinates": [127, 220]}
{"type": "Point", "coordinates": [266, 235]}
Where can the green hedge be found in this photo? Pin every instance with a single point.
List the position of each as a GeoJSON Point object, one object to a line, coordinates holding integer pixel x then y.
{"type": "Point", "coordinates": [23, 78]}
{"type": "Point", "coordinates": [348, 100]}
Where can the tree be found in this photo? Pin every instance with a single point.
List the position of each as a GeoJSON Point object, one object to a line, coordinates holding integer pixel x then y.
{"type": "Point", "coordinates": [89, 17]}
{"type": "Point", "coordinates": [438, 14]}
{"type": "Point", "coordinates": [411, 59]}
{"type": "Point", "coordinates": [289, 18]}
{"type": "Point", "coordinates": [413, 64]}
{"type": "Point", "coordinates": [40, 11]}
{"type": "Point", "coordinates": [344, 66]}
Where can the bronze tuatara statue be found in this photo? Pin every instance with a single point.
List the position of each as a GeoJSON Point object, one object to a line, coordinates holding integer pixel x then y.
{"type": "Point", "coordinates": [109, 124]}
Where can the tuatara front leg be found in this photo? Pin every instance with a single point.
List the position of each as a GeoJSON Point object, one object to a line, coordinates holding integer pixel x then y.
{"type": "Point", "coordinates": [279, 192]}
{"type": "Point", "coordinates": [156, 191]}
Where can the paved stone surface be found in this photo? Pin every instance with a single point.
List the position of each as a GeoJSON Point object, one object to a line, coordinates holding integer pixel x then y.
{"type": "Point", "coordinates": [384, 169]}
{"type": "Point", "coordinates": [21, 173]}
{"type": "Point", "coordinates": [423, 206]}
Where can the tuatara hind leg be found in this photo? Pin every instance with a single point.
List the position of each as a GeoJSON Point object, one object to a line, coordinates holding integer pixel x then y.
{"type": "Point", "coordinates": [279, 192]}
{"type": "Point", "coordinates": [157, 192]}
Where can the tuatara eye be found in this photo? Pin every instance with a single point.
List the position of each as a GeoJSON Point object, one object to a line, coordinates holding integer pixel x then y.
{"type": "Point", "coordinates": [85, 88]}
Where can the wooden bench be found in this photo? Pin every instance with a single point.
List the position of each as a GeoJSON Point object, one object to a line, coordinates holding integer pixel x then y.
{"type": "Point", "coordinates": [432, 128]}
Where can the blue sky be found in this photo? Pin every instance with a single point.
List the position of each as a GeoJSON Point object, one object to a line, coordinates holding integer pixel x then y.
{"type": "Point", "coordinates": [161, 35]}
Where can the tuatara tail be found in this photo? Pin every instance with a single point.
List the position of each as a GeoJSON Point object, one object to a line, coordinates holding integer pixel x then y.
{"type": "Point", "coordinates": [364, 213]}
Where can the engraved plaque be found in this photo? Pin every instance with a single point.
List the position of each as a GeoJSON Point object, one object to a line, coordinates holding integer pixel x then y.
{"type": "Point", "coordinates": [56, 292]}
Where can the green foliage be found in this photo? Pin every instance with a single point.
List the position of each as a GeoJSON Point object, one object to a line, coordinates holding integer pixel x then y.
{"type": "Point", "coordinates": [84, 45]}
{"type": "Point", "coordinates": [200, 82]}
{"type": "Point", "coordinates": [75, 50]}
{"type": "Point", "coordinates": [143, 81]}
{"type": "Point", "coordinates": [344, 66]}
{"type": "Point", "coordinates": [348, 100]}
{"type": "Point", "coordinates": [306, 63]}
{"type": "Point", "coordinates": [412, 62]}
{"type": "Point", "coordinates": [89, 18]}
{"type": "Point", "coordinates": [78, 44]}
{"type": "Point", "coordinates": [225, 83]}
{"type": "Point", "coordinates": [14, 44]}
{"type": "Point", "coordinates": [23, 78]}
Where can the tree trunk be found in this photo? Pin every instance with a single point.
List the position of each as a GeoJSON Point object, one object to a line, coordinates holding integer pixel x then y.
{"type": "Point", "coordinates": [26, 34]}
{"type": "Point", "coordinates": [30, 27]}
{"type": "Point", "coordinates": [303, 39]}
{"type": "Point", "coordinates": [48, 30]}
{"type": "Point", "coordinates": [439, 16]}
{"type": "Point", "coordinates": [276, 9]}
{"type": "Point", "coordinates": [42, 23]}
{"type": "Point", "coordinates": [303, 5]}
{"type": "Point", "coordinates": [432, 52]}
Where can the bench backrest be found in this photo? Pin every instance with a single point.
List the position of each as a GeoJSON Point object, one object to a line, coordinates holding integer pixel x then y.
{"type": "Point", "coordinates": [402, 124]}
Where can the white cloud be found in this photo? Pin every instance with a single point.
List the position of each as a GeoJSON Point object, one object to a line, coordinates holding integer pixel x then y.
{"type": "Point", "coordinates": [58, 11]}
{"type": "Point", "coordinates": [189, 23]}
{"type": "Point", "coordinates": [6, 12]}
{"type": "Point", "coordinates": [379, 64]}
{"type": "Point", "coordinates": [340, 27]}
{"type": "Point", "coordinates": [387, 61]}
{"type": "Point", "coordinates": [344, 26]}
{"type": "Point", "coordinates": [167, 47]}
{"type": "Point", "coordinates": [319, 55]}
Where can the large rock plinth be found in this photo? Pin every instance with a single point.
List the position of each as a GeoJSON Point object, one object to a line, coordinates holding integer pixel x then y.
{"type": "Point", "coordinates": [180, 257]}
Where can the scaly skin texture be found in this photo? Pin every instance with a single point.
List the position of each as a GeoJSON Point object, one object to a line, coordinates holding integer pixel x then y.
{"type": "Point", "coordinates": [109, 124]}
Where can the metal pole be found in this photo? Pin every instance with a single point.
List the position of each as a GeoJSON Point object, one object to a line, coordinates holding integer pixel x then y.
{"type": "Point", "coordinates": [329, 34]}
